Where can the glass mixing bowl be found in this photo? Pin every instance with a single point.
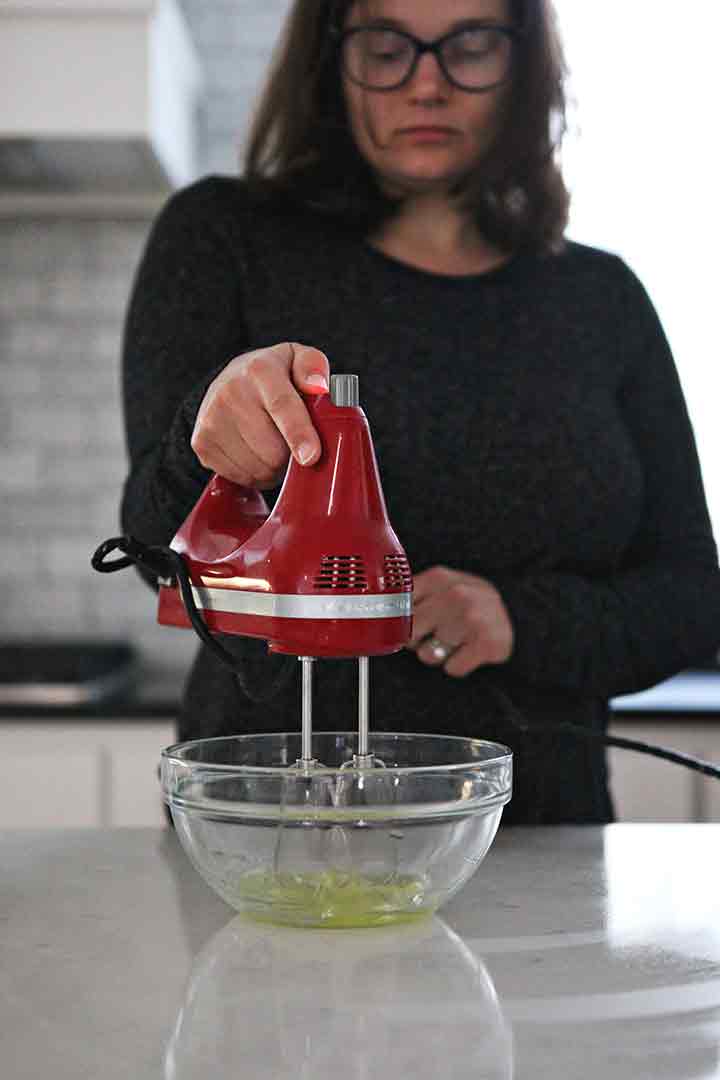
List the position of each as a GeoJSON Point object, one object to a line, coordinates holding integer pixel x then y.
{"type": "Point", "coordinates": [335, 845]}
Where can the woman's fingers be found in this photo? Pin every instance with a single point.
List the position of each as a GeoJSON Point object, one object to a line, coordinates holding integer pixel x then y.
{"type": "Point", "coordinates": [460, 623]}
{"type": "Point", "coordinates": [253, 414]}
{"type": "Point", "coordinates": [282, 401]}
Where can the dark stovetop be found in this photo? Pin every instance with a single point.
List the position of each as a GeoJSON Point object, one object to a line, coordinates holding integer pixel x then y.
{"type": "Point", "coordinates": [83, 678]}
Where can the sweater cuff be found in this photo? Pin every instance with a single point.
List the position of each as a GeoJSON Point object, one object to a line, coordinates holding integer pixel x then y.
{"type": "Point", "coordinates": [179, 477]}
{"type": "Point", "coordinates": [531, 627]}
{"type": "Point", "coordinates": [182, 429]}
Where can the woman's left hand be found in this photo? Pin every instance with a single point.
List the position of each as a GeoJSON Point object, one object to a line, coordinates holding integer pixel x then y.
{"type": "Point", "coordinates": [459, 621]}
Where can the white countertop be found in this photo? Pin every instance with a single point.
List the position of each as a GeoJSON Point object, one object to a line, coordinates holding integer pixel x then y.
{"type": "Point", "coordinates": [572, 953]}
{"type": "Point", "coordinates": [688, 692]}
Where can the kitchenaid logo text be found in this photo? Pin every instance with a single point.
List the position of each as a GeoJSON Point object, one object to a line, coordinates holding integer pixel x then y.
{"type": "Point", "coordinates": [391, 605]}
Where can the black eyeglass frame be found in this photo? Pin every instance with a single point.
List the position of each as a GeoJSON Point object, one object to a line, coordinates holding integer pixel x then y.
{"type": "Point", "coordinates": [421, 47]}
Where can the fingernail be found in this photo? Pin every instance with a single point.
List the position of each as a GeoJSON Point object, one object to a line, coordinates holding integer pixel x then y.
{"type": "Point", "coordinates": [317, 380]}
{"type": "Point", "coordinates": [305, 452]}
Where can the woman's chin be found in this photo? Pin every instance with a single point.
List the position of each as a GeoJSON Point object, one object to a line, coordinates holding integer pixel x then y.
{"type": "Point", "coordinates": [419, 181]}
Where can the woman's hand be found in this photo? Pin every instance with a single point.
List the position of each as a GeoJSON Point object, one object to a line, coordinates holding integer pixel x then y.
{"type": "Point", "coordinates": [253, 416]}
{"type": "Point", "coordinates": [459, 621]}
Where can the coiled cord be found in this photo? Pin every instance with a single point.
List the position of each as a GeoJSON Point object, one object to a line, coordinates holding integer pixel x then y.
{"type": "Point", "coordinates": [167, 564]}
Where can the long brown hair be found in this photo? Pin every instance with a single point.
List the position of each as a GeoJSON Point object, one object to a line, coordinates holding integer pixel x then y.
{"type": "Point", "coordinates": [301, 149]}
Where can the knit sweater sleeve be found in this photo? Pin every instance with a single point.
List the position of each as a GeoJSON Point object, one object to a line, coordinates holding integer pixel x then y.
{"type": "Point", "coordinates": [660, 612]}
{"type": "Point", "coordinates": [183, 325]}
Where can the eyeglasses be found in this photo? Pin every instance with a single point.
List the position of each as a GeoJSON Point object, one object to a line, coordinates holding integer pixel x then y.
{"type": "Point", "coordinates": [475, 58]}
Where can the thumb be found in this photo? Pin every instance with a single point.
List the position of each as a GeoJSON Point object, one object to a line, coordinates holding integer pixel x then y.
{"type": "Point", "coordinates": [310, 369]}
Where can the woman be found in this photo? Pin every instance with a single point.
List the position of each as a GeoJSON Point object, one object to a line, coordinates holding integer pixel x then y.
{"type": "Point", "coordinates": [402, 217]}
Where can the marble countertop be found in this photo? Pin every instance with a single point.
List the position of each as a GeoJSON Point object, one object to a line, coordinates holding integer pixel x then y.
{"type": "Point", "coordinates": [575, 952]}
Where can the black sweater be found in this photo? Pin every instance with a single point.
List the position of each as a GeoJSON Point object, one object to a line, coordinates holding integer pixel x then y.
{"type": "Point", "coordinates": [529, 427]}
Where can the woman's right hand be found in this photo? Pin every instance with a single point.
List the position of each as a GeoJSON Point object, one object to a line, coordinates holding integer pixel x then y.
{"type": "Point", "coordinates": [252, 416]}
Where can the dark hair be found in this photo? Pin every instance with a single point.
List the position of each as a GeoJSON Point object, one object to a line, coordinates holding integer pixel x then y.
{"type": "Point", "coordinates": [301, 148]}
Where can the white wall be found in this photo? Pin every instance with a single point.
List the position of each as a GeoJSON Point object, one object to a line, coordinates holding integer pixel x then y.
{"type": "Point", "coordinates": [642, 164]}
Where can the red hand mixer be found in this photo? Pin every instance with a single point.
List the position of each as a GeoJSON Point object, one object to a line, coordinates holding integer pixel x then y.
{"type": "Point", "coordinates": [321, 575]}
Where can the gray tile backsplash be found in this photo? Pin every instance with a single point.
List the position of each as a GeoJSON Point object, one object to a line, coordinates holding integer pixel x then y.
{"type": "Point", "coordinates": [64, 286]}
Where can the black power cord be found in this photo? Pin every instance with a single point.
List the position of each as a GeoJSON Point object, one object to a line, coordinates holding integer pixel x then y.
{"type": "Point", "coordinates": [168, 564]}
{"type": "Point", "coordinates": [576, 731]}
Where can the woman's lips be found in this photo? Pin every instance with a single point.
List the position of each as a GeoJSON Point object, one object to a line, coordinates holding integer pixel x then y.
{"type": "Point", "coordinates": [428, 134]}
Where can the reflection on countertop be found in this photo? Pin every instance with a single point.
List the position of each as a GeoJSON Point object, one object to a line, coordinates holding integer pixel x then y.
{"type": "Point", "coordinates": [373, 1010]}
{"type": "Point", "coordinates": [574, 951]}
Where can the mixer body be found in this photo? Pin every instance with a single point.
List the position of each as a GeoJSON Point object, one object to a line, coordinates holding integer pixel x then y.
{"type": "Point", "coordinates": [323, 574]}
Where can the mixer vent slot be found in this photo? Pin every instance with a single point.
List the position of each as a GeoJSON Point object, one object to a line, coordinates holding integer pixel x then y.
{"type": "Point", "coordinates": [341, 572]}
{"type": "Point", "coordinates": [397, 572]}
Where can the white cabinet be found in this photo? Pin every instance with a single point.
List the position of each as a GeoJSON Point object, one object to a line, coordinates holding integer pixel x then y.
{"type": "Point", "coordinates": [81, 774]}
{"type": "Point", "coordinates": [98, 96]}
{"type": "Point", "coordinates": [647, 788]}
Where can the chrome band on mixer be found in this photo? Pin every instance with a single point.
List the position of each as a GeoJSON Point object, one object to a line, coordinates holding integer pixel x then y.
{"type": "Point", "coordinates": [280, 606]}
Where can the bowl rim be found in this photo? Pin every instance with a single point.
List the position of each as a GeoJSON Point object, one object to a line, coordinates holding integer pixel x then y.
{"type": "Point", "coordinates": [169, 754]}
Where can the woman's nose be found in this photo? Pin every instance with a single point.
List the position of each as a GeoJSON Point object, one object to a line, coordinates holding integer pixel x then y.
{"type": "Point", "coordinates": [428, 78]}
